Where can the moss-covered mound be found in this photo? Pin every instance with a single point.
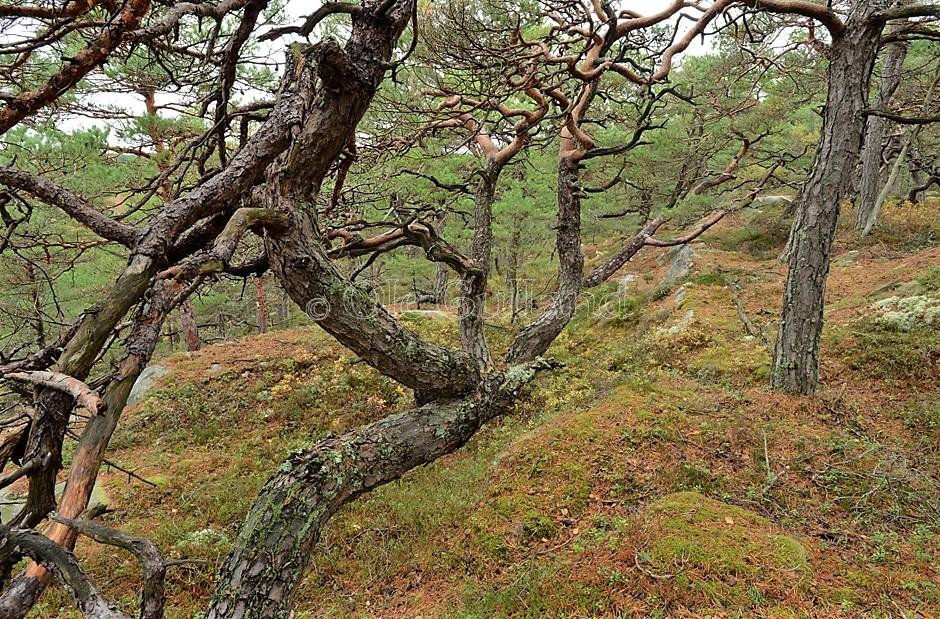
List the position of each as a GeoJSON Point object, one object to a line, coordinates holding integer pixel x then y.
{"type": "Point", "coordinates": [730, 554]}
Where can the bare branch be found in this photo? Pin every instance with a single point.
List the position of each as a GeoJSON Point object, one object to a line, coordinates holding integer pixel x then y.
{"type": "Point", "coordinates": [82, 393]}
{"type": "Point", "coordinates": [94, 54]}
{"type": "Point", "coordinates": [64, 565]}
{"type": "Point", "coordinates": [153, 597]}
{"type": "Point", "coordinates": [327, 9]}
{"type": "Point", "coordinates": [178, 11]}
{"type": "Point", "coordinates": [26, 469]}
{"type": "Point", "coordinates": [901, 119]}
{"type": "Point", "coordinates": [74, 206]}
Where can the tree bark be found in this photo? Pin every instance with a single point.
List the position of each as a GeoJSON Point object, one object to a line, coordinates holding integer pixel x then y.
{"type": "Point", "coordinates": [441, 270]}
{"type": "Point", "coordinates": [190, 330]}
{"type": "Point", "coordinates": [852, 56]}
{"type": "Point", "coordinates": [872, 151]}
{"type": "Point", "coordinates": [534, 340]}
{"type": "Point", "coordinates": [473, 284]}
{"type": "Point", "coordinates": [259, 578]}
{"type": "Point", "coordinates": [262, 305]}
{"type": "Point", "coordinates": [352, 316]}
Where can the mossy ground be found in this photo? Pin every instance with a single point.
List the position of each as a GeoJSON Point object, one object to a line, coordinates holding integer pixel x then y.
{"type": "Point", "coordinates": [655, 476]}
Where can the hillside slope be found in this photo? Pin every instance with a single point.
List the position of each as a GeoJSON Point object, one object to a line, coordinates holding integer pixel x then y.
{"type": "Point", "coordinates": [656, 475]}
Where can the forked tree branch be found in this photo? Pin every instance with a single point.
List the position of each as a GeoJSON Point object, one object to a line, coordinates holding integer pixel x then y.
{"type": "Point", "coordinates": [64, 565]}
{"type": "Point", "coordinates": [311, 21]}
{"type": "Point", "coordinates": [153, 596]}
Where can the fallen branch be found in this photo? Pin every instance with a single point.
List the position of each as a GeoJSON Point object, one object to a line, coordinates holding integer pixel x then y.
{"type": "Point", "coordinates": [749, 326]}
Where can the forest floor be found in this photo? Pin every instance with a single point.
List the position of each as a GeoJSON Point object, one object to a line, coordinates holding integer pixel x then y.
{"type": "Point", "coordinates": [656, 475]}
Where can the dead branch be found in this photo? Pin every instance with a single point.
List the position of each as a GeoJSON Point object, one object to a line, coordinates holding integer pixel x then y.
{"type": "Point", "coordinates": [696, 232]}
{"type": "Point", "coordinates": [153, 597]}
{"type": "Point", "coordinates": [82, 393]}
{"type": "Point", "coordinates": [64, 565]}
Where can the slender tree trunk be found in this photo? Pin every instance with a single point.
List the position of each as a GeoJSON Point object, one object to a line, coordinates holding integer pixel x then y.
{"type": "Point", "coordinates": [441, 270]}
{"type": "Point", "coordinates": [915, 169]}
{"type": "Point", "coordinates": [534, 340]}
{"type": "Point", "coordinates": [873, 149]}
{"type": "Point", "coordinates": [283, 309]}
{"type": "Point", "coordinates": [473, 294]}
{"type": "Point", "coordinates": [190, 330]}
{"type": "Point", "coordinates": [852, 56]}
{"type": "Point", "coordinates": [906, 144]}
{"type": "Point", "coordinates": [513, 260]}
{"type": "Point", "coordinates": [441, 282]}
{"type": "Point", "coordinates": [262, 305]}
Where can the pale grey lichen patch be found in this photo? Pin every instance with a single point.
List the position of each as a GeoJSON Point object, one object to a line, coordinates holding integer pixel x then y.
{"type": "Point", "coordinates": [906, 313]}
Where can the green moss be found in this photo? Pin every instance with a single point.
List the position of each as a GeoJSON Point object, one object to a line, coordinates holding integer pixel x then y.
{"type": "Point", "coordinates": [159, 480]}
{"type": "Point", "coordinates": [629, 310]}
{"type": "Point", "coordinates": [930, 281]}
{"type": "Point", "coordinates": [536, 526]}
{"type": "Point", "coordinates": [720, 549]}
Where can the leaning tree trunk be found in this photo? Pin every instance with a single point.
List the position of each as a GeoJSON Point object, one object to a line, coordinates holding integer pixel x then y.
{"type": "Point", "coordinates": [852, 57]}
{"type": "Point", "coordinates": [259, 578]}
{"type": "Point", "coordinates": [872, 156]}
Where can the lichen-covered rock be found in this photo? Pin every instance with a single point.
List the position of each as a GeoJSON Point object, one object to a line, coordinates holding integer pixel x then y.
{"type": "Point", "coordinates": [906, 313]}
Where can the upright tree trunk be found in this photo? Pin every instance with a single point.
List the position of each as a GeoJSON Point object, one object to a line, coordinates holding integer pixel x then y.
{"type": "Point", "coordinates": [473, 294]}
{"type": "Point", "coordinates": [852, 57]}
{"type": "Point", "coordinates": [442, 271]}
{"type": "Point", "coordinates": [190, 330]}
{"type": "Point", "coordinates": [262, 305]}
{"type": "Point", "coordinates": [872, 151]}
{"type": "Point", "coordinates": [441, 282]}
{"type": "Point", "coordinates": [909, 136]}
{"type": "Point", "coordinates": [534, 340]}
{"type": "Point", "coordinates": [513, 260]}
{"type": "Point", "coordinates": [283, 309]}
